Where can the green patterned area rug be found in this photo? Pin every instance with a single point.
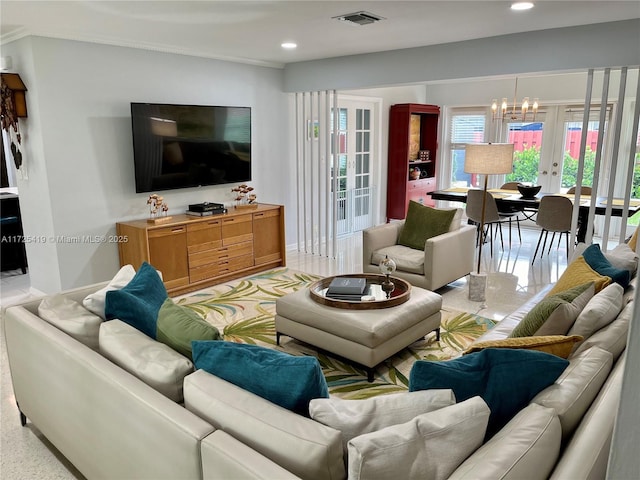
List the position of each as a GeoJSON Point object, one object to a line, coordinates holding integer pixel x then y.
{"type": "Point", "coordinates": [243, 311]}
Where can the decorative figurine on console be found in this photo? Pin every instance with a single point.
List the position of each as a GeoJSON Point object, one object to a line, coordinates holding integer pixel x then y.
{"type": "Point", "coordinates": [158, 209]}
{"type": "Point", "coordinates": [245, 196]}
{"type": "Point", "coordinates": [387, 267]}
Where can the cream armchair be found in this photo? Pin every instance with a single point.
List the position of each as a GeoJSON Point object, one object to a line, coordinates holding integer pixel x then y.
{"type": "Point", "coordinates": [445, 258]}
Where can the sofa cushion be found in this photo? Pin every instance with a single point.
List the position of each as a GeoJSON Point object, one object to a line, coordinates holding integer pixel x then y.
{"type": "Point", "coordinates": [302, 446]}
{"type": "Point", "coordinates": [623, 257]}
{"type": "Point", "coordinates": [559, 345]}
{"type": "Point", "coordinates": [407, 259]}
{"type": "Point", "coordinates": [526, 447]}
{"type": "Point", "coordinates": [286, 380]}
{"type": "Point", "coordinates": [154, 363]}
{"type": "Point", "coordinates": [422, 223]}
{"type": "Point", "coordinates": [139, 302]}
{"type": "Point", "coordinates": [613, 337]}
{"type": "Point", "coordinates": [572, 393]}
{"type": "Point", "coordinates": [597, 260]}
{"type": "Point", "coordinates": [506, 379]}
{"type": "Point", "coordinates": [555, 314]}
{"type": "Point", "coordinates": [601, 310]}
{"type": "Point", "coordinates": [356, 417]}
{"type": "Point", "coordinates": [430, 446]}
{"type": "Point", "coordinates": [178, 326]}
{"type": "Point", "coordinates": [95, 302]}
{"type": "Point", "coordinates": [577, 273]}
{"type": "Point", "coordinates": [72, 318]}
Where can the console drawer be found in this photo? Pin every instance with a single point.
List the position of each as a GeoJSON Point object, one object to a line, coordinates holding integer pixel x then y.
{"type": "Point", "coordinates": [220, 268]}
{"type": "Point", "coordinates": [198, 259]}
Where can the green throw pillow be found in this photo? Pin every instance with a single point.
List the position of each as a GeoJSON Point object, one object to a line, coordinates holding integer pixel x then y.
{"type": "Point", "coordinates": [178, 326]}
{"type": "Point", "coordinates": [538, 315]}
{"type": "Point", "coordinates": [423, 223]}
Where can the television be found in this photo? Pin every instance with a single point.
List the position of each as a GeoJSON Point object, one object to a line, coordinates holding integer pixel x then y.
{"type": "Point", "coordinates": [182, 146]}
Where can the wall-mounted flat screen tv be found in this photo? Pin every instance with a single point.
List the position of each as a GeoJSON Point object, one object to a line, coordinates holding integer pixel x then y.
{"type": "Point", "coordinates": [182, 146]}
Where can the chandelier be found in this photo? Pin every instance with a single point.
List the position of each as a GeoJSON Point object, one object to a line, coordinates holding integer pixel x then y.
{"type": "Point", "coordinates": [516, 113]}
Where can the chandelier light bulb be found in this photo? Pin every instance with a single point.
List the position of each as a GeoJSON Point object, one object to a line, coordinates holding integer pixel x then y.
{"type": "Point", "coordinates": [525, 107]}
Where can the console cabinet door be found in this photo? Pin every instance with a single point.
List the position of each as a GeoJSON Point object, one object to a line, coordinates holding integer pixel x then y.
{"type": "Point", "coordinates": [268, 241]}
{"type": "Point", "coordinates": [168, 253]}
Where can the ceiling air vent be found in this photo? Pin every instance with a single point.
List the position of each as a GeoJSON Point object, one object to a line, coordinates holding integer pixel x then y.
{"type": "Point", "coordinates": [360, 18]}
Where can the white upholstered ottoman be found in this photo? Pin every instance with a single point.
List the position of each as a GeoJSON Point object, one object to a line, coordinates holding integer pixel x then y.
{"type": "Point", "coordinates": [364, 336]}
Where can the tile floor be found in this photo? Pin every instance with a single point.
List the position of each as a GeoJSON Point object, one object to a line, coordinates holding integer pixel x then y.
{"type": "Point", "coordinates": [26, 454]}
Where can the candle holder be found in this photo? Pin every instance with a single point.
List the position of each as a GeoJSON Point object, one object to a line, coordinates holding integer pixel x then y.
{"type": "Point", "coordinates": [387, 267]}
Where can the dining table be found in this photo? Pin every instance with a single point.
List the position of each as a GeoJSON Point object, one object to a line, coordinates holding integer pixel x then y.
{"type": "Point", "coordinates": [512, 200]}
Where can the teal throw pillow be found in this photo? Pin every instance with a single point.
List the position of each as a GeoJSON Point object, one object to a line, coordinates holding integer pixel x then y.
{"type": "Point", "coordinates": [506, 379]}
{"type": "Point", "coordinates": [596, 260]}
{"type": "Point", "coordinates": [178, 326]}
{"type": "Point", "coordinates": [558, 308]}
{"type": "Point", "coordinates": [286, 380]}
{"type": "Point", "coordinates": [138, 302]}
{"type": "Point", "coordinates": [423, 223]}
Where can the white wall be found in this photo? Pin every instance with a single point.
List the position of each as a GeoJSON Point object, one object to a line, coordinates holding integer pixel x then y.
{"type": "Point", "coordinates": [555, 50]}
{"type": "Point", "coordinates": [81, 174]}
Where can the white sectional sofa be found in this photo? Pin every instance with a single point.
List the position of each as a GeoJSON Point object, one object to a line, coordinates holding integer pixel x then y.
{"type": "Point", "coordinates": [111, 424]}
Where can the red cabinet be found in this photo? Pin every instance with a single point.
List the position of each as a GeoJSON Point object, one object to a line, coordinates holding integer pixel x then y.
{"type": "Point", "coordinates": [413, 143]}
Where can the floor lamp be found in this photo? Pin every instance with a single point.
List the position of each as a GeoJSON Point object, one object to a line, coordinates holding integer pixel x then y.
{"type": "Point", "coordinates": [485, 159]}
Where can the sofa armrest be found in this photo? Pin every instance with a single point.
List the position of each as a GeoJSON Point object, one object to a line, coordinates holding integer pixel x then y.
{"type": "Point", "coordinates": [71, 394]}
{"type": "Point", "coordinates": [380, 236]}
{"type": "Point", "coordinates": [224, 457]}
{"type": "Point", "coordinates": [449, 256]}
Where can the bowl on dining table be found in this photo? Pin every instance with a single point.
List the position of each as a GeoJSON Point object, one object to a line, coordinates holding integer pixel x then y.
{"type": "Point", "coordinates": [528, 191]}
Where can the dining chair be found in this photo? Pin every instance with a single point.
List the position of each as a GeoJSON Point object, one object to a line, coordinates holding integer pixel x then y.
{"type": "Point", "coordinates": [554, 215]}
{"type": "Point", "coordinates": [583, 190]}
{"type": "Point", "coordinates": [510, 212]}
{"type": "Point", "coordinates": [492, 218]}
{"type": "Point", "coordinates": [509, 186]}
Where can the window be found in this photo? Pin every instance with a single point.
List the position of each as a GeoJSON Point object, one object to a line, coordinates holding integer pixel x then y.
{"type": "Point", "coordinates": [465, 127]}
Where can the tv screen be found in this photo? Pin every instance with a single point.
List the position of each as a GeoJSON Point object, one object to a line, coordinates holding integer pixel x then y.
{"type": "Point", "coordinates": [181, 146]}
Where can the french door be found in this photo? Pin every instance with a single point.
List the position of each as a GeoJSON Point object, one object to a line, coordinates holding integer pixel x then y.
{"type": "Point", "coordinates": [356, 154]}
{"type": "Point", "coordinates": [547, 149]}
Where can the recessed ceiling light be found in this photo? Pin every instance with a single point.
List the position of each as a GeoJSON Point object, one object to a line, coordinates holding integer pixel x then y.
{"type": "Point", "coordinates": [521, 6]}
{"type": "Point", "coordinates": [289, 45]}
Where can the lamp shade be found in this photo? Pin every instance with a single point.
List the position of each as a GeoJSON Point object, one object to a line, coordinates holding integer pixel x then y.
{"type": "Point", "coordinates": [489, 158]}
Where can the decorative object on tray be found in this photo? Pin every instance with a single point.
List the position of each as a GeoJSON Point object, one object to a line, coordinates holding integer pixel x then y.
{"type": "Point", "coordinates": [347, 288]}
{"type": "Point", "coordinates": [528, 191]}
{"type": "Point", "coordinates": [423, 155]}
{"type": "Point", "coordinates": [158, 209]}
{"type": "Point", "coordinates": [387, 267]}
{"type": "Point", "coordinates": [245, 198]}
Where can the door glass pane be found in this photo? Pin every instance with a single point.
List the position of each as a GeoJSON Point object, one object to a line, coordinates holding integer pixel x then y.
{"type": "Point", "coordinates": [527, 141]}
{"type": "Point", "coordinates": [342, 131]}
{"type": "Point", "coordinates": [572, 139]}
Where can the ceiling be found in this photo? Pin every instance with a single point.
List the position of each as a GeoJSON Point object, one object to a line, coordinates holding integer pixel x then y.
{"type": "Point", "coordinates": [252, 31]}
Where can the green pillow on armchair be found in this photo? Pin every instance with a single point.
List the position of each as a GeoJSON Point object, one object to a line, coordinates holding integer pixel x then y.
{"type": "Point", "coordinates": [422, 223]}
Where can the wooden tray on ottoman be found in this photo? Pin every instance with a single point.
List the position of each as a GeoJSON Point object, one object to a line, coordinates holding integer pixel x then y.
{"type": "Point", "coordinates": [400, 294]}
